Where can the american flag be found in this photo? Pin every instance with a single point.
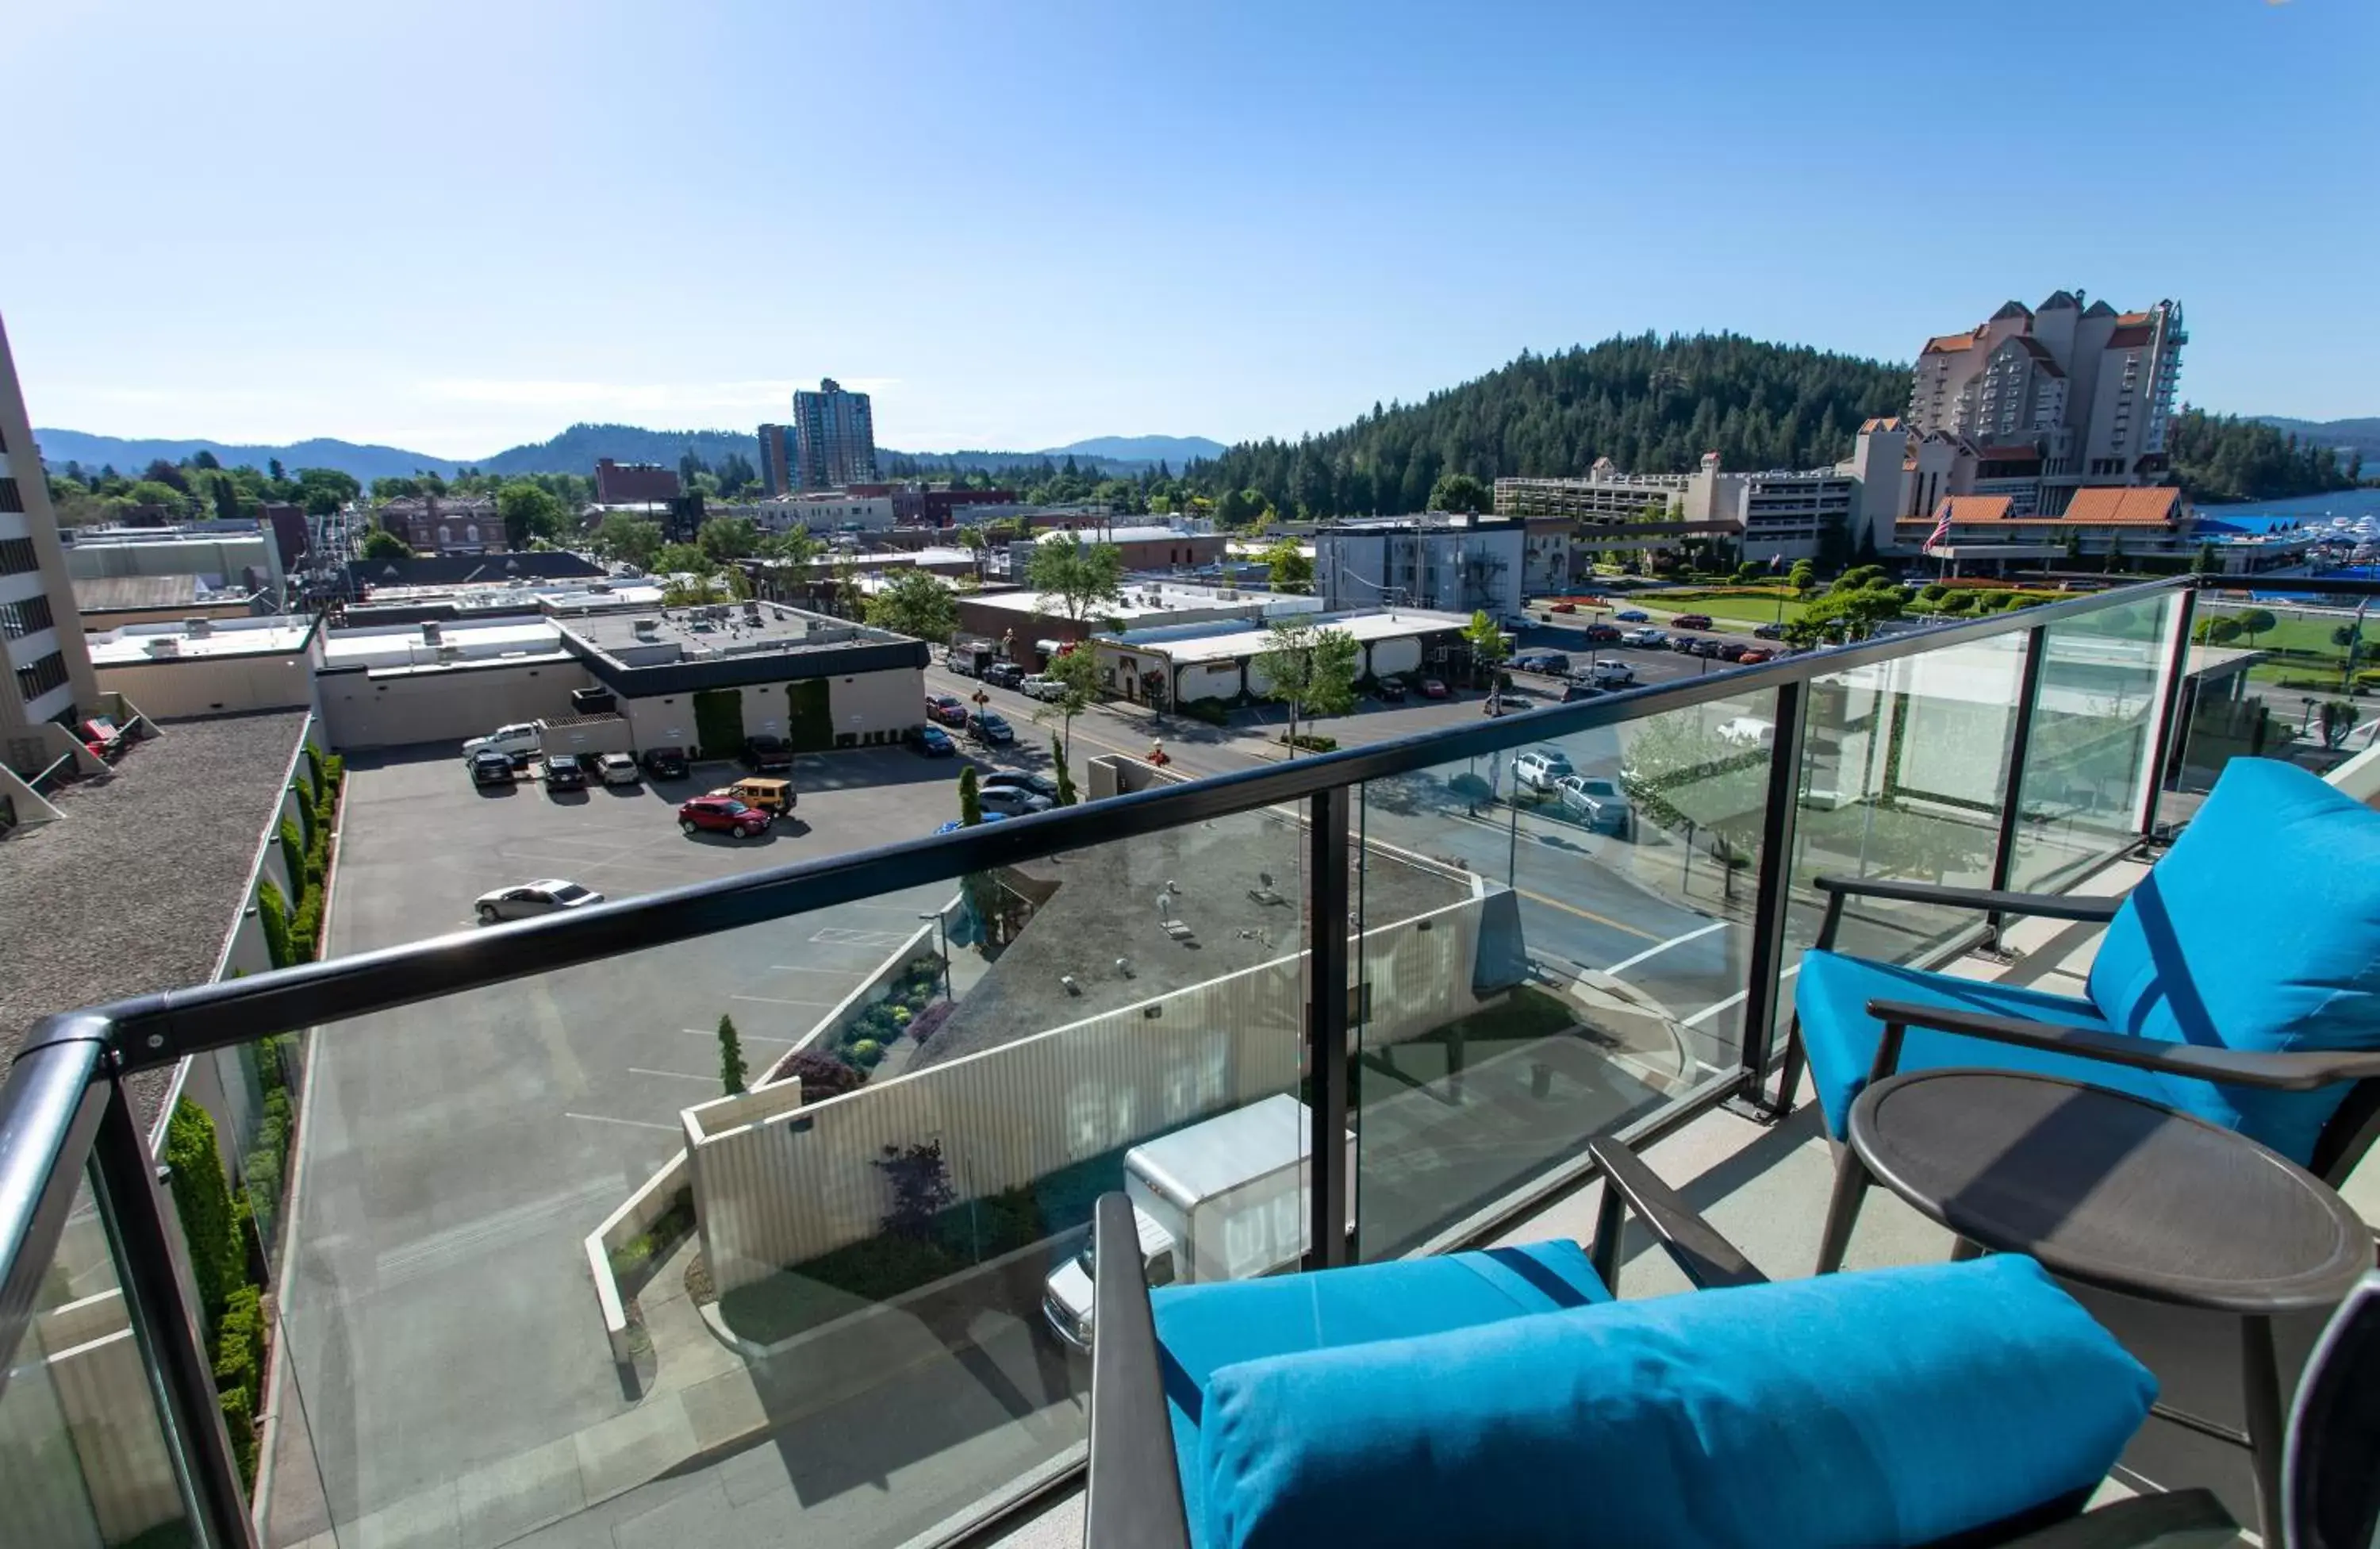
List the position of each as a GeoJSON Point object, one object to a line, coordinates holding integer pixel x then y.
{"type": "Point", "coordinates": [1941, 526]}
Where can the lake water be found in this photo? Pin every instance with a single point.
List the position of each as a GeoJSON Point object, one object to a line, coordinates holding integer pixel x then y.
{"type": "Point", "coordinates": [2311, 510]}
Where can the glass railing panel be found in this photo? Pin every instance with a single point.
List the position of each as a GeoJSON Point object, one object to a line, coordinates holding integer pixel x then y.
{"type": "Point", "coordinates": [85, 1460]}
{"type": "Point", "coordinates": [2087, 762]}
{"type": "Point", "coordinates": [1552, 943]}
{"type": "Point", "coordinates": [541, 1269]}
{"type": "Point", "coordinates": [2275, 677]}
{"type": "Point", "coordinates": [1904, 771]}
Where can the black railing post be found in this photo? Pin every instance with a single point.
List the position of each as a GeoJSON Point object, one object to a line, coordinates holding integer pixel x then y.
{"type": "Point", "coordinates": [1326, 1024]}
{"type": "Point", "coordinates": [2169, 722]}
{"type": "Point", "coordinates": [2036, 650]}
{"type": "Point", "coordinates": [167, 1326]}
{"type": "Point", "coordinates": [1766, 966]}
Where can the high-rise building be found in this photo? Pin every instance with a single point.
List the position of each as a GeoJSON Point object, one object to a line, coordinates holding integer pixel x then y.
{"type": "Point", "coordinates": [49, 676]}
{"type": "Point", "coordinates": [777, 458]}
{"type": "Point", "coordinates": [834, 438]}
{"type": "Point", "coordinates": [2060, 398]}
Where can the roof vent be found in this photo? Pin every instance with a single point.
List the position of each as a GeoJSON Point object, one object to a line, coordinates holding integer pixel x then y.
{"type": "Point", "coordinates": [164, 645]}
{"type": "Point", "coordinates": [197, 628]}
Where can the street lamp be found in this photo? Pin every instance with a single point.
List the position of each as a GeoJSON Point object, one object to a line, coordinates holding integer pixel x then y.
{"type": "Point", "coordinates": [942, 934]}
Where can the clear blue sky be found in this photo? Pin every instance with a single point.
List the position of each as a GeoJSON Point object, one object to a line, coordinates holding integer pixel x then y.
{"type": "Point", "coordinates": [456, 226]}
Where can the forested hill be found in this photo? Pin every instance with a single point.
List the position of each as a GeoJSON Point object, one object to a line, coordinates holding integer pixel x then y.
{"type": "Point", "coordinates": [2220, 457]}
{"type": "Point", "coordinates": [1651, 405]}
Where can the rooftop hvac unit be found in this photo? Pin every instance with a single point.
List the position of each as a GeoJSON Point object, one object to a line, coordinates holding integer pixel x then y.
{"type": "Point", "coordinates": [164, 645]}
{"type": "Point", "coordinates": [647, 628]}
{"type": "Point", "coordinates": [197, 628]}
{"type": "Point", "coordinates": [429, 635]}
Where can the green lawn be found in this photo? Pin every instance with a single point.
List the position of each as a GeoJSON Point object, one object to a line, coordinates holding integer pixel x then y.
{"type": "Point", "coordinates": [1735, 606]}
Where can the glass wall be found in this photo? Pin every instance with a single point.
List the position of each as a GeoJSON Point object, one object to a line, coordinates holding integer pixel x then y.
{"type": "Point", "coordinates": [1553, 942]}
{"type": "Point", "coordinates": [2094, 730]}
{"type": "Point", "coordinates": [2273, 678]}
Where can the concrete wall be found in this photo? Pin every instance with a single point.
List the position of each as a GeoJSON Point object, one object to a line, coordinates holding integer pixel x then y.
{"type": "Point", "coordinates": [882, 705]}
{"type": "Point", "coordinates": [215, 685]}
{"type": "Point", "coordinates": [774, 1190]}
{"type": "Point", "coordinates": [434, 705]}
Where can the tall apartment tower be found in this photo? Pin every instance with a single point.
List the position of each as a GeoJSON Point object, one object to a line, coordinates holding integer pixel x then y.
{"type": "Point", "coordinates": [777, 458]}
{"type": "Point", "coordinates": [834, 438]}
{"type": "Point", "coordinates": [49, 676]}
{"type": "Point", "coordinates": [2070, 396]}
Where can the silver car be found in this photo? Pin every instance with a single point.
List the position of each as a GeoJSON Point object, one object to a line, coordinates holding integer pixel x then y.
{"type": "Point", "coordinates": [533, 898]}
{"type": "Point", "coordinates": [1012, 801]}
{"type": "Point", "coordinates": [1598, 802]}
{"type": "Point", "coordinates": [617, 769]}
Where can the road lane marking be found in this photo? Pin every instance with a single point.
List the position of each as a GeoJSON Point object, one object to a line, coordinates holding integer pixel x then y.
{"type": "Point", "coordinates": [1582, 913]}
{"type": "Point", "coordinates": [740, 1033]}
{"type": "Point", "coordinates": [631, 1123]}
{"type": "Point", "coordinates": [780, 1000]}
{"type": "Point", "coordinates": [799, 967]}
{"type": "Point", "coordinates": [680, 1075]}
{"type": "Point", "coordinates": [1659, 947]}
{"type": "Point", "coordinates": [842, 936]}
{"type": "Point", "coordinates": [1714, 1008]}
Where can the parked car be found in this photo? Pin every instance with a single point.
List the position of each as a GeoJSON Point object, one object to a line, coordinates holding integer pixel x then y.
{"type": "Point", "coordinates": [1564, 607]}
{"type": "Point", "coordinates": [1691, 621]}
{"type": "Point", "coordinates": [1390, 688]}
{"type": "Point", "coordinates": [945, 709]}
{"type": "Point", "coordinates": [771, 797]}
{"type": "Point", "coordinates": [1731, 651]}
{"type": "Point", "coordinates": [989, 725]}
{"type": "Point", "coordinates": [1601, 634]}
{"type": "Point", "coordinates": [1041, 688]}
{"type": "Point", "coordinates": [1020, 779]}
{"type": "Point", "coordinates": [563, 772]}
{"type": "Point", "coordinates": [1003, 675]}
{"type": "Point", "coordinates": [1630, 615]}
{"type": "Point", "coordinates": [1555, 663]}
{"type": "Point", "coordinates": [720, 814]}
{"type": "Point", "coordinates": [1539, 767]}
{"type": "Point", "coordinates": [955, 825]}
{"type": "Point", "coordinates": [1705, 646]}
{"type": "Point", "coordinates": [768, 755]}
{"type": "Point", "coordinates": [1747, 731]}
{"type": "Point", "coordinates": [1573, 692]}
{"type": "Point", "coordinates": [959, 664]}
{"type": "Point", "coordinates": [1682, 644]}
{"type": "Point", "coordinates": [1754, 654]}
{"type": "Point", "coordinates": [533, 898]}
{"type": "Point", "coordinates": [1012, 801]}
{"type": "Point", "coordinates": [1644, 636]}
{"type": "Point", "coordinates": [1431, 689]}
{"type": "Point", "coordinates": [1770, 632]}
{"type": "Point", "coordinates": [518, 742]}
{"type": "Point", "coordinates": [491, 766]}
{"type": "Point", "coordinates": [1610, 673]}
{"type": "Point", "coordinates": [930, 740]}
{"type": "Point", "coordinates": [615, 769]}
{"type": "Point", "coordinates": [666, 763]}
{"type": "Point", "coordinates": [1598, 802]}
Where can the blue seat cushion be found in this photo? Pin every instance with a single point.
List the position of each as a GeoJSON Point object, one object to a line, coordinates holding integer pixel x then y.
{"type": "Point", "coordinates": [1893, 1407]}
{"type": "Point", "coordinates": [2260, 929]}
{"type": "Point", "coordinates": [1830, 996]}
{"type": "Point", "coordinates": [1202, 1328]}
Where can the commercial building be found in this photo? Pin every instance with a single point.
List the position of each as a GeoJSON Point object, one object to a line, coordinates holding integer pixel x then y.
{"type": "Point", "coordinates": [49, 676]}
{"type": "Point", "coordinates": [1453, 564]}
{"type": "Point", "coordinates": [777, 458]}
{"type": "Point", "coordinates": [635, 484]}
{"type": "Point", "coordinates": [242, 557]}
{"type": "Point", "coordinates": [445, 524]}
{"type": "Point", "coordinates": [1175, 664]}
{"type": "Point", "coordinates": [943, 508]}
{"type": "Point", "coordinates": [1145, 547]}
{"type": "Point", "coordinates": [1029, 627]}
{"type": "Point", "coordinates": [829, 512]}
{"type": "Point", "coordinates": [834, 438]}
{"type": "Point", "coordinates": [1989, 532]}
{"type": "Point", "coordinates": [1778, 513]}
{"type": "Point", "coordinates": [2057, 399]}
{"type": "Point", "coordinates": [209, 666]}
{"type": "Point", "coordinates": [110, 602]}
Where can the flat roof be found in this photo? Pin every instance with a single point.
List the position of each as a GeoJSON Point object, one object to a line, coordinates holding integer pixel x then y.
{"type": "Point", "coordinates": [653, 637]}
{"type": "Point", "coordinates": [135, 889]}
{"type": "Point", "coordinates": [1228, 645]}
{"type": "Point", "coordinates": [404, 645]}
{"type": "Point", "coordinates": [1154, 601]}
{"type": "Point", "coordinates": [1143, 534]}
{"type": "Point", "coordinates": [130, 643]}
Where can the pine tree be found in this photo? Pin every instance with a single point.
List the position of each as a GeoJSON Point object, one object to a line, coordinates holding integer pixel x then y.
{"type": "Point", "coordinates": [732, 1071]}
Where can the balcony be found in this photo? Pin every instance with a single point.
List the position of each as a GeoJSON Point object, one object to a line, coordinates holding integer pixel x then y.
{"type": "Point", "coordinates": [839, 1307]}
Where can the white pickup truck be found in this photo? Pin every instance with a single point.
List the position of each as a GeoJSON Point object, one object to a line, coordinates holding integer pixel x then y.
{"type": "Point", "coordinates": [1225, 1199]}
{"type": "Point", "coordinates": [520, 741]}
{"type": "Point", "coordinates": [1040, 688]}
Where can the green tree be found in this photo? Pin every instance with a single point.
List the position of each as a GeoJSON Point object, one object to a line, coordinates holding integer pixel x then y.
{"type": "Point", "coordinates": [380, 544]}
{"type": "Point", "coordinates": [972, 540]}
{"type": "Point", "coordinates": [970, 797]}
{"type": "Point", "coordinates": [630, 539]}
{"type": "Point", "coordinates": [1461, 492]}
{"type": "Point", "coordinates": [731, 1070]}
{"type": "Point", "coordinates": [1489, 648]}
{"type": "Point", "coordinates": [1291, 568]}
{"type": "Point", "coordinates": [1801, 577]}
{"type": "Point", "coordinates": [676, 559]}
{"type": "Point", "coordinates": [915, 603]}
{"type": "Point", "coordinates": [1081, 576]}
{"type": "Point", "coordinates": [203, 1200]}
{"type": "Point", "coordinates": [1077, 675]}
{"type": "Point", "coordinates": [2254, 622]}
{"type": "Point", "coordinates": [725, 539]}
{"type": "Point", "coordinates": [797, 544]}
{"type": "Point", "coordinates": [2204, 563]}
{"type": "Point", "coordinates": [2217, 629]}
{"type": "Point", "coordinates": [1310, 670]}
{"type": "Point", "coordinates": [527, 512]}
{"type": "Point", "coordinates": [1066, 796]}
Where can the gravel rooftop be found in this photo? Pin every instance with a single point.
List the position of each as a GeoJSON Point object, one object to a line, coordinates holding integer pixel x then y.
{"type": "Point", "coordinates": [136, 888]}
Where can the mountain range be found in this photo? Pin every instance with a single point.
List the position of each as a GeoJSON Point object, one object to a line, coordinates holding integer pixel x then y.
{"type": "Point", "coordinates": [575, 451]}
{"type": "Point", "coordinates": [2340, 435]}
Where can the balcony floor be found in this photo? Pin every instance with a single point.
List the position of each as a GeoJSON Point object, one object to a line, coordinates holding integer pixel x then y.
{"type": "Point", "coordinates": [1765, 1187]}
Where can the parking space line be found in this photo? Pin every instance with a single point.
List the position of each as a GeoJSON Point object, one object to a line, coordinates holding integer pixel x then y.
{"type": "Point", "coordinates": [741, 1035]}
{"type": "Point", "coordinates": [640, 1071]}
{"type": "Point", "coordinates": [1659, 947]}
{"type": "Point", "coordinates": [631, 1123]}
{"type": "Point", "coordinates": [780, 1000]}
{"type": "Point", "coordinates": [798, 968]}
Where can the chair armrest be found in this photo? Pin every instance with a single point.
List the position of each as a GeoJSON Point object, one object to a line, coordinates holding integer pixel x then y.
{"type": "Point", "coordinates": [2281, 1072]}
{"type": "Point", "coordinates": [1693, 1244]}
{"type": "Point", "coordinates": [2051, 905]}
{"type": "Point", "coordinates": [1133, 1499]}
{"type": "Point", "coordinates": [2178, 1520]}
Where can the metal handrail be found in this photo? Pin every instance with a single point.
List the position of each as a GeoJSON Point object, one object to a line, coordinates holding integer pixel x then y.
{"type": "Point", "coordinates": [47, 1120]}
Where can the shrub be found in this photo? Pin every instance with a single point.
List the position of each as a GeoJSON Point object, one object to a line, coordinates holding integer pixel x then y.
{"type": "Point", "coordinates": [306, 930]}
{"type": "Point", "coordinates": [293, 854]}
{"type": "Point", "coordinates": [1214, 712]}
{"type": "Point", "coordinates": [821, 1076]}
{"type": "Point", "coordinates": [868, 1051]}
{"type": "Point", "coordinates": [921, 1187]}
{"type": "Point", "coordinates": [1933, 592]}
{"type": "Point", "coordinates": [239, 1420]}
{"type": "Point", "coordinates": [731, 1070]}
{"type": "Point", "coordinates": [274, 915]}
{"type": "Point", "coordinates": [1312, 743]}
{"type": "Point", "coordinates": [928, 1022]}
{"type": "Point", "coordinates": [202, 1198]}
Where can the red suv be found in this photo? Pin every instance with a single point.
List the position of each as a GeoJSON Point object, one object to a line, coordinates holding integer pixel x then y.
{"type": "Point", "coordinates": [721, 814]}
{"type": "Point", "coordinates": [946, 709]}
{"type": "Point", "coordinates": [1691, 621]}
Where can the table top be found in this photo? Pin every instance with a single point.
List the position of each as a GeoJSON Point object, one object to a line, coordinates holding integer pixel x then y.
{"type": "Point", "coordinates": [2111, 1190]}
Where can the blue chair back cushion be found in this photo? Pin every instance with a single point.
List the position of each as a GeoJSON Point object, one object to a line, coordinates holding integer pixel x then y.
{"type": "Point", "coordinates": [1897, 1406]}
{"type": "Point", "coordinates": [2259, 929]}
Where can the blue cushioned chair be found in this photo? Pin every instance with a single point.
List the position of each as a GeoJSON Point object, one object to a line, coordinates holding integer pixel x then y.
{"type": "Point", "coordinates": [1504, 1396]}
{"type": "Point", "coordinates": [2239, 981]}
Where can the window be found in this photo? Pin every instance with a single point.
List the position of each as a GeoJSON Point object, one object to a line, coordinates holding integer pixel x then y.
{"type": "Point", "coordinates": [19, 619]}
{"type": "Point", "coordinates": [11, 498]}
{"type": "Point", "coordinates": [16, 557]}
{"type": "Point", "coordinates": [41, 676]}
